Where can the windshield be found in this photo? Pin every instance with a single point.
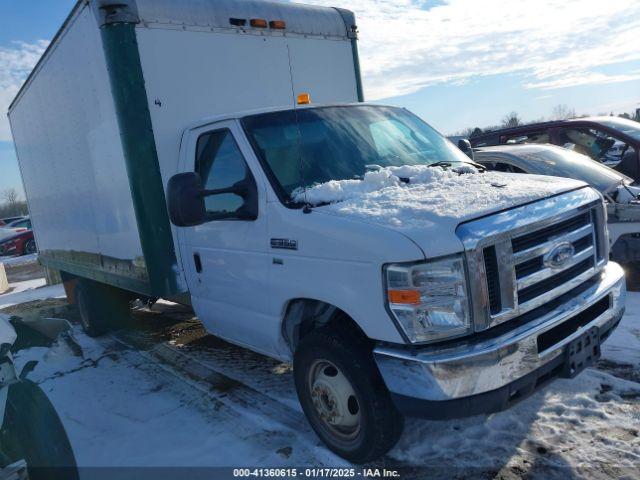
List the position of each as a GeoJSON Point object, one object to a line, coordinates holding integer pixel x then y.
{"type": "Point", "coordinates": [305, 147]}
{"type": "Point", "coordinates": [628, 127]}
{"type": "Point", "coordinates": [565, 163]}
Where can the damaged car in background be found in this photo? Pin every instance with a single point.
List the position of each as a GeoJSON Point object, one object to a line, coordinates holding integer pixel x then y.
{"type": "Point", "coordinates": [610, 140]}
{"type": "Point", "coordinates": [623, 204]}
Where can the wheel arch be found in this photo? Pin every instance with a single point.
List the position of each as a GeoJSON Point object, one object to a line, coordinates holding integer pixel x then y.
{"type": "Point", "coordinates": [304, 315]}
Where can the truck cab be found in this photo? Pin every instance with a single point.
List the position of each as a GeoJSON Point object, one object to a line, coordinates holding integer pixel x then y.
{"type": "Point", "coordinates": [321, 228]}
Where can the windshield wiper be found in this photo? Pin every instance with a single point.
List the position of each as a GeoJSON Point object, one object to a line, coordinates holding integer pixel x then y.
{"type": "Point", "coordinates": [441, 163]}
{"type": "Point", "coordinates": [445, 163]}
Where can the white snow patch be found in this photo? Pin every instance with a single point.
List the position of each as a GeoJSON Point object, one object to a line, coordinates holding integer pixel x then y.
{"type": "Point", "coordinates": [16, 261]}
{"type": "Point", "coordinates": [432, 195]}
{"type": "Point", "coordinates": [30, 290]}
{"type": "Point", "coordinates": [623, 346]}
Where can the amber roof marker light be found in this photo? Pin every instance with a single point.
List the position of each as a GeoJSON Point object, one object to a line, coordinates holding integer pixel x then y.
{"type": "Point", "coordinates": [304, 99]}
{"type": "Point", "coordinates": [258, 23]}
{"type": "Point", "coordinates": [277, 24]}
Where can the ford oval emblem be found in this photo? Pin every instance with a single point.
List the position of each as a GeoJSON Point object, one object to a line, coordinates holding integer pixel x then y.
{"type": "Point", "coordinates": [559, 256]}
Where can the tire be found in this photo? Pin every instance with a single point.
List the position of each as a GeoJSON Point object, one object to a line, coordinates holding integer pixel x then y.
{"type": "Point", "coordinates": [344, 396]}
{"type": "Point", "coordinates": [30, 247]}
{"type": "Point", "coordinates": [32, 431]}
{"type": "Point", "coordinates": [101, 307]}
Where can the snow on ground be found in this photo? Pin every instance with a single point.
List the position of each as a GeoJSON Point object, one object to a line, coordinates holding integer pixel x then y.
{"type": "Point", "coordinates": [123, 408]}
{"type": "Point", "coordinates": [28, 291]}
{"type": "Point", "coordinates": [624, 344]}
{"type": "Point", "coordinates": [16, 261]}
{"type": "Point", "coordinates": [432, 194]}
{"type": "Point", "coordinates": [119, 409]}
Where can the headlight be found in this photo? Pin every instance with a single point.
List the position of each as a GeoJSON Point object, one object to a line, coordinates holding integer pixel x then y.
{"type": "Point", "coordinates": [429, 300]}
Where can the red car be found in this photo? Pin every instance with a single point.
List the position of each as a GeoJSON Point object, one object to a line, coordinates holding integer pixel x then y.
{"type": "Point", "coordinates": [21, 243]}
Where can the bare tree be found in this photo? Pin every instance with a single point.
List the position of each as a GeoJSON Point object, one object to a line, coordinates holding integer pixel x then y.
{"type": "Point", "coordinates": [10, 196]}
{"type": "Point", "coordinates": [511, 120]}
{"type": "Point", "coordinates": [562, 112]}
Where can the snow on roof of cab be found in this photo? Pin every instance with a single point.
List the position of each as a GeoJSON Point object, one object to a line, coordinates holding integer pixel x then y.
{"type": "Point", "coordinates": [300, 19]}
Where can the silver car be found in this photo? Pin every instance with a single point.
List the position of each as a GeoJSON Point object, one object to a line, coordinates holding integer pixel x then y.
{"type": "Point", "coordinates": [623, 203]}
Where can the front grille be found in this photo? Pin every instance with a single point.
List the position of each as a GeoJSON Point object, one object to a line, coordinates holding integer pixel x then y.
{"type": "Point", "coordinates": [529, 262]}
{"type": "Point", "coordinates": [540, 236]}
{"type": "Point", "coordinates": [528, 267]}
{"type": "Point", "coordinates": [554, 281]}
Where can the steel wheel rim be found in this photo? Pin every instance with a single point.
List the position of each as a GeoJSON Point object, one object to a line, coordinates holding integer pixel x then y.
{"type": "Point", "coordinates": [334, 400]}
{"type": "Point", "coordinates": [31, 247]}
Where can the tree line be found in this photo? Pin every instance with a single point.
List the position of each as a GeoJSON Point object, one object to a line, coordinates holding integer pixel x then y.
{"type": "Point", "coordinates": [11, 205]}
{"type": "Point", "coordinates": [513, 119]}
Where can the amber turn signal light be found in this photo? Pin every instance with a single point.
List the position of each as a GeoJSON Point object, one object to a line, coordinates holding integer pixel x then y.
{"type": "Point", "coordinates": [408, 297]}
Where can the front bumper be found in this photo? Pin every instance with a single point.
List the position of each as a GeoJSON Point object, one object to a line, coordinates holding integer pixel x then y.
{"type": "Point", "coordinates": [490, 373]}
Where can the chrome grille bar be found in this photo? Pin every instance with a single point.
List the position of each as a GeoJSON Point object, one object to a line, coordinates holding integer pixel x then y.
{"type": "Point", "coordinates": [546, 247]}
{"type": "Point", "coordinates": [556, 292]}
{"type": "Point", "coordinates": [548, 272]}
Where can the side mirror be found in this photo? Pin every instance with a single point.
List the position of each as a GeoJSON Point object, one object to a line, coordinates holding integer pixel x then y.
{"type": "Point", "coordinates": [465, 146]}
{"type": "Point", "coordinates": [185, 200]}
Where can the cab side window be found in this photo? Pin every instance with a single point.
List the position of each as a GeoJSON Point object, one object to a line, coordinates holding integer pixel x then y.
{"type": "Point", "coordinates": [220, 165]}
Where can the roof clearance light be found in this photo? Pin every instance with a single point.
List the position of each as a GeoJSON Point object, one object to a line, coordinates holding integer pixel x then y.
{"type": "Point", "coordinates": [277, 24]}
{"type": "Point", "coordinates": [258, 23]}
{"type": "Point", "coordinates": [304, 99]}
{"type": "Point", "coordinates": [238, 22]}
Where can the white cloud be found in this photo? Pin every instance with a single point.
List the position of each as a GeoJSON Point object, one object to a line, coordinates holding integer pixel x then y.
{"type": "Point", "coordinates": [406, 45]}
{"type": "Point", "coordinates": [16, 61]}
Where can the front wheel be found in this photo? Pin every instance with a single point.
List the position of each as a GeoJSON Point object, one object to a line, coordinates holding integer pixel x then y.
{"type": "Point", "coordinates": [30, 247]}
{"type": "Point", "coordinates": [344, 397]}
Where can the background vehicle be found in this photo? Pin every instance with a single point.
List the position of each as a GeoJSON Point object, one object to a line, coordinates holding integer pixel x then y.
{"type": "Point", "coordinates": [33, 441]}
{"type": "Point", "coordinates": [22, 243]}
{"type": "Point", "coordinates": [592, 136]}
{"type": "Point", "coordinates": [623, 206]}
{"type": "Point", "coordinates": [211, 182]}
{"type": "Point", "coordinates": [20, 225]}
{"type": "Point", "coordinates": [6, 221]}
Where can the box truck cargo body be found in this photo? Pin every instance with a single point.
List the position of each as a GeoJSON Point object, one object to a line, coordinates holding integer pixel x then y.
{"type": "Point", "coordinates": [98, 124]}
{"type": "Point", "coordinates": [219, 153]}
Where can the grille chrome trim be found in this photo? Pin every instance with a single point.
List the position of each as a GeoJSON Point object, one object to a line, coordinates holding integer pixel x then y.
{"type": "Point", "coordinates": [538, 250]}
{"type": "Point", "coordinates": [547, 272]}
{"type": "Point", "coordinates": [501, 229]}
{"type": "Point", "coordinates": [557, 291]}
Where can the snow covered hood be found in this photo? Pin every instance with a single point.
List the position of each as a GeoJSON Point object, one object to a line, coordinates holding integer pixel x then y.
{"type": "Point", "coordinates": [429, 208]}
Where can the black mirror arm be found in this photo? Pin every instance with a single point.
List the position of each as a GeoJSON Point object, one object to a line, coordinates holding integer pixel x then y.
{"type": "Point", "coordinates": [219, 191]}
{"type": "Point", "coordinates": [240, 188]}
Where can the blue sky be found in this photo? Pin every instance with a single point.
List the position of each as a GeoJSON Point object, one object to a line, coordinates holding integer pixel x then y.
{"type": "Point", "coordinates": [456, 63]}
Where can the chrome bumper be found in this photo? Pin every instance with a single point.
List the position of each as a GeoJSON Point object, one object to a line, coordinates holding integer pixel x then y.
{"type": "Point", "coordinates": [479, 367]}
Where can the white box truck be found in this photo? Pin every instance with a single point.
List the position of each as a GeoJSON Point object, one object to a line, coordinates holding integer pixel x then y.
{"type": "Point", "coordinates": [218, 153]}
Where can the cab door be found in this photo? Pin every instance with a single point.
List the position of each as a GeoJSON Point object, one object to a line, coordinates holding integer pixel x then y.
{"type": "Point", "coordinates": [225, 258]}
